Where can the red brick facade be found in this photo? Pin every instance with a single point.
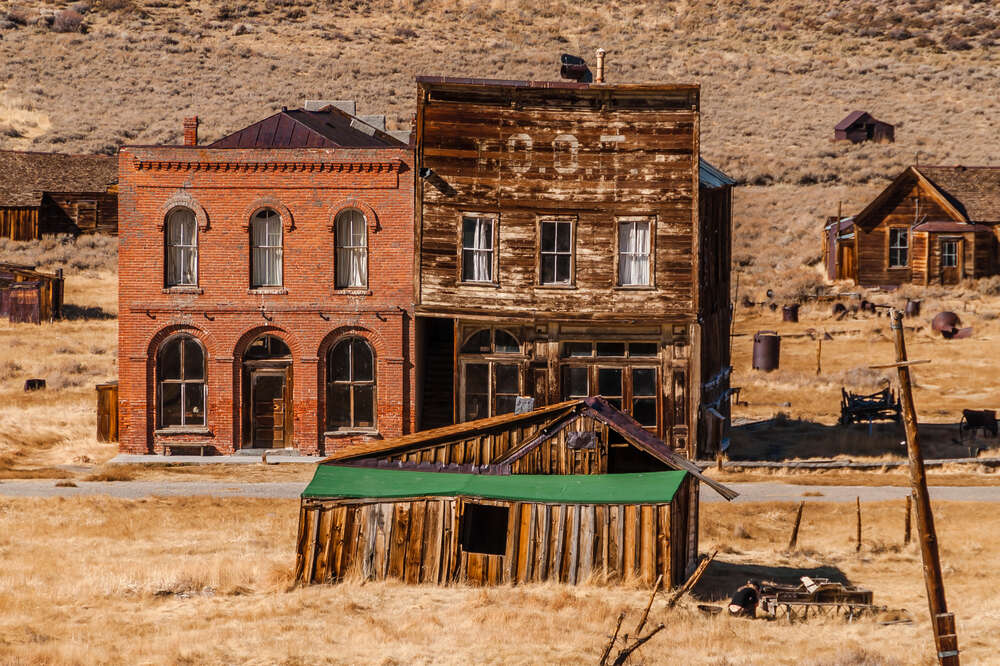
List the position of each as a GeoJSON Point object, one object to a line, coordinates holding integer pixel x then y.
{"type": "Point", "coordinates": [224, 188]}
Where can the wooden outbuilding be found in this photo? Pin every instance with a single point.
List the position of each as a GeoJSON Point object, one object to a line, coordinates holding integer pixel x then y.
{"type": "Point", "coordinates": [931, 225]}
{"type": "Point", "coordinates": [107, 411]}
{"type": "Point", "coordinates": [860, 126]}
{"type": "Point", "coordinates": [30, 296]}
{"type": "Point", "coordinates": [49, 193]}
{"type": "Point", "coordinates": [570, 492]}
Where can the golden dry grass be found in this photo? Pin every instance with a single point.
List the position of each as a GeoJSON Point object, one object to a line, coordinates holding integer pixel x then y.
{"type": "Point", "coordinates": [99, 580]}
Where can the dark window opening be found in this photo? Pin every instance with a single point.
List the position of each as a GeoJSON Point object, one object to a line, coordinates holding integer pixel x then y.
{"type": "Point", "coordinates": [350, 386]}
{"type": "Point", "coordinates": [484, 529]}
{"type": "Point", "coordinates": [630, 460]}
{"type": "Point", "coordinates": [181, 373]}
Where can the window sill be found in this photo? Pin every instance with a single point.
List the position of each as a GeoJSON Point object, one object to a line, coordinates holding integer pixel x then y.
{"type": "Point", "coordinates": [899, 268]}
{"type": "Point", "coordinates": [183, 290]}
{"type": "Point", "coordinates": [488, 285]}
{"type": "Point", "coordinates": [334, 434]}
{"type": "Point", "coordinates": [635, 287]}
{"type": "Point", "coordinates": [276, 291]}
{"type": "Point", "coordinates": [352, 291]}
{"type": "Point", "coordinates": [182, 431]}
{"type": "Point", "coordinates": [555, 286]}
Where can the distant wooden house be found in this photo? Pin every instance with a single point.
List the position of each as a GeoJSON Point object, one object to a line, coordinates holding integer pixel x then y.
{"type": "Point", "coordinates": [861, 126]}
{"type": "Point", "coordinates": [931, 225]}
{"type": "Point", "coordinates": [29, 296]}
{"type": "Point", "coordinates": [570, 492]}
{"type": "Point", "coordinates": [46, 193]}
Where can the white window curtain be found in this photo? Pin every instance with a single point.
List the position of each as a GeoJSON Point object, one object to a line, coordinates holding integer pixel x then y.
{"type": "Point", "coordinates": [266, 243]}
{"type": "Point", "coordinates": [633, 253]}
{"type": "Point", "coordinates": [477, 249]}
{"type": "Point", "coordinates": [352, 249]}
{"type": "Point", "coordinates": [182, 248]}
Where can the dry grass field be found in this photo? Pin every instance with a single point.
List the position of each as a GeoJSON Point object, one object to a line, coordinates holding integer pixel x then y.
{"type": "Point", "coordinates": [202, 581]}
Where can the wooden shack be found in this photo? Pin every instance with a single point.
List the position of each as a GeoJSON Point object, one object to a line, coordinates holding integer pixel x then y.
{"type": "Point", "coordinates": [30, 296]}
{"type": "Point", "coordinates": [48, 193]}
{"type": "Point", "coordinates": [568, 492]}
{"type": "Point", "coordinates": [571, 242]}
{"type": "Point", "coordinates": [860, 126]}
{"type": "Point", "coordinates": [931, 225]}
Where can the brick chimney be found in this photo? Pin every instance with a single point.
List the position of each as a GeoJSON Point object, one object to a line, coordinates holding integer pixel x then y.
{"type": "Point", "coordinates": [191, 131]}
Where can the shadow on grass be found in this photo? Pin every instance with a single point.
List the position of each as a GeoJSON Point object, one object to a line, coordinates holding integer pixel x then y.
{"type": "Point", "coordinates": [77, 312]}
{"type": "Point", "coordinates": [722, 579]}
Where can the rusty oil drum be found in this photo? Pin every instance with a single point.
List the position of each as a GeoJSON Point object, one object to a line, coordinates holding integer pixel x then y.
{"type": "Point", "coordinates": [766, 350]}
{"type": "Point", "coordinates": [790, 312]}
{"type": "Point", "coordinates": [912, 307]}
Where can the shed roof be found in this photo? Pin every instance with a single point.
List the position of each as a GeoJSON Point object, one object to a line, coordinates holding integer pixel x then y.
{"type": "Point", "coordinates": [855, 117]}
{"type": "Point", "coordinates": [26, 176]}
{"type": "Point", "coordinates": [329, 127]}
{"type": "Point", "coordinates": [974, 191]}
{"type": "Point", "coordinates": [332, 481]}
{"type": "Point", "coordinates": [711, 177]}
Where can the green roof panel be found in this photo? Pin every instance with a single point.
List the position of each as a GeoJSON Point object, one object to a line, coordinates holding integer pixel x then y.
{"type": "Point", "coordinates": [333, 481]}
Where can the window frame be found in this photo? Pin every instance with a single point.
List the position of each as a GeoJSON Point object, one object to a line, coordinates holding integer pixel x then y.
{"type": "Point", "coordinates": [890, 247]}
{"type": "Point", "coordinates": [541, 253]}
{"type": "Point", "coordinates": [624, 219]}
{"type": "Point", "coordinates": [957, 244]}
{"type": "Point", "coordinates": [167, 246]}
{"type": "Point", "coordinates": [183, 382]}
{"type": "Point", "coordinates": [494, 253]}
{"type": "Point", "coordinates": [337, 247]}
{"type": "Point", "coordinates": [280, 249]}
{"type": "Point", "coordinates": [491, 359]}
{"type": "Point", "coordinates": [351, 384]}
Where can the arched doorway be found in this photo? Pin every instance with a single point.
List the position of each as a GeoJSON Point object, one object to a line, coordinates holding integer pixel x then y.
{"type": "Point", "coordinates": [267, 391]}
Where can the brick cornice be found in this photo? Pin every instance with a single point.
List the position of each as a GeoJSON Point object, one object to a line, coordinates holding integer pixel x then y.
{"type": "Point", "coordinates": [391, 166]}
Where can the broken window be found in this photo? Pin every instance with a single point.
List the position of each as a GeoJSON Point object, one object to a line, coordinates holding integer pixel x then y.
{"type": "Point", "coordinates": [351, 241]}
{"type": "Point", "coordinates": [477, 249]}
{"type": "Point", "coordinates": [180, 370]}
{"type": "Point", "coordinates": [898, 248]}
{"type": "Point", "coordinates": [484, 528]}
{"type": "Point", "coordinates": [266, 250]}
{"type": "Point", "coordinates": [350, 391]}
{"type": "Point", "coordinates": [556, 252]}
{"type": "Point", "coordinates": [633, 253]}
{"type": "Point", "coordinates": [182, 248]}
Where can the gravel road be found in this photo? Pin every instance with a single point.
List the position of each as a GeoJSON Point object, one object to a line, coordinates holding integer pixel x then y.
{"type": "Point", "coordinates": [749, 492]}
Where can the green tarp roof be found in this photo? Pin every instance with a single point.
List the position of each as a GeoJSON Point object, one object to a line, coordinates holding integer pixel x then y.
{"type": "Point", "coordinates": [365, 482]}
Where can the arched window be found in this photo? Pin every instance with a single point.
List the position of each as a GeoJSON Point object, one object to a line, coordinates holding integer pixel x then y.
{"type": "Point", "coordinates": [491, 377]}
{"type": "Point", "coordinates": [265, 246]}
{"type": "Point", "coordinates": [350, 388]}
{"type": "Point", "coordinates": [182, 248]}
{"type": "Point", "coordinates": [180, 372]}
{"type": "Point", "coordinates": [351, 240]}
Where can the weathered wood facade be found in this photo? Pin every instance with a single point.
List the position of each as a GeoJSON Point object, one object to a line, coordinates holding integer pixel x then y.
{"type": "Point", "coordinates": [49, 193]}
{"type": "Point", "coordinates": [29, 296]}
{"type": "Point", "coordinates": [570, 243]}
{"type": "Point", "coordinates": [419, 538]}
{"type": "Point", "coordinates": [931, 225]}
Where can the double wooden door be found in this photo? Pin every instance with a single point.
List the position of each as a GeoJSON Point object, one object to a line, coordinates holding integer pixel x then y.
{"type": "Point", "coordinates": [270, 408]}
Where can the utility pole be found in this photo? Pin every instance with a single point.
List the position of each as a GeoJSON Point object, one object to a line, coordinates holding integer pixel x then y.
{"type": "Point", "coordinates": [943, 622]}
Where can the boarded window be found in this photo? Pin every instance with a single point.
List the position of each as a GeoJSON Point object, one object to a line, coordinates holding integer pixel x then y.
{"type": "Point", "coordinates": [556, 252]}
{"type": "Point", "coordinates": [182, 248]}
{"type": "Point", "coordinates": [477, 249]}
{"type": "Point", "coordinates": [350, 395]}
{"type": "Point", "coordinates": [352, 249]}
{"type": "Point", "coordinates": [633, 253]}
{"type": "Point", "coordinates": [266, 250]}
{"type": "Point", "coordinates": [180, 369]}
{"type": "Point", "coordinates": [899, 248]}
{"type": "Point", "coordinates": [484, 529]}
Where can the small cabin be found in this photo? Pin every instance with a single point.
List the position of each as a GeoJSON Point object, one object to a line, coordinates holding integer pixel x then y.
{"type": "Point", "coordinates": [30, 296]}
{"type": "Point", "coordinates": [573, 492]}
{"type": "Point", "coordinates": [52, 193]}
{"type": "Point", "coordinates": [931, 225]}
{"type": "Point", "coordinates": [860, 126]}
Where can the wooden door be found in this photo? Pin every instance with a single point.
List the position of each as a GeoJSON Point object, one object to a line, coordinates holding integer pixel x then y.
{"type": "Point", "coordinates": [845, 261]}
{"type": "Point", "coordinates": [269, 396]}
{"type": "Point", "coordinates": [950, 258]}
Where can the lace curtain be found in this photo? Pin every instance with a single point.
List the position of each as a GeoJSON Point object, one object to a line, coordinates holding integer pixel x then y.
{"type": "Point", "coordinates": [633, 253]}
{"type": "Point", "coordinates": [266, 241]}
{"type": "Point", "coordinates": [352, 249]}
{"type": "Point", "coordinates": [182, 248]}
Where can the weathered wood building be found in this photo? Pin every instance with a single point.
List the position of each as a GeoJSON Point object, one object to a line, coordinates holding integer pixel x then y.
{"type": "Point", "coordinates": [931, 225]}
{"type": "Point", "coordinates": [570, 492]}
{"type": "Point", "coordinates": [30, 296]}
{"type": "Point", "coordinates": [860, 126]}
{"type": "Point", "coordinates": [570, 242]}
{"type": "Point", "coordinates": [47, 193]}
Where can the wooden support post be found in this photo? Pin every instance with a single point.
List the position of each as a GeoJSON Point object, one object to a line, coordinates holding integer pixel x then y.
{"type": "Point", "coordinates": [819, 354]}
{"type": "Point", "coordinates": [857, 547]}
{"type": "Point", "coordinates": [795, 528]}
{"type": "Point", "coordinates": [906, 524]}
{"type": "Point", "coordinates": [945, 641]}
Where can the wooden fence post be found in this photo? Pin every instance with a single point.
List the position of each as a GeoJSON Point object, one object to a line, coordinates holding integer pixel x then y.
{"type": "Point", "coordinates": [906, 524]}
{"type": "Point", "coordinates": [857, 547]}
{"type": "Point", "coordinates": [795, 528]}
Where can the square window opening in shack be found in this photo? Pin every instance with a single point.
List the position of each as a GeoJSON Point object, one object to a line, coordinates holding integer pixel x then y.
{"type": "Point", "coordinates": [484, 529]}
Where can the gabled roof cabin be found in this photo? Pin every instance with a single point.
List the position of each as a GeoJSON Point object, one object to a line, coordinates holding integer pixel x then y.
{"type": "Point", "coordinates": [860, 126]}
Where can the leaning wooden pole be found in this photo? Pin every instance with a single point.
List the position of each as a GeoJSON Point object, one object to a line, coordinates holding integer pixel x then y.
{"type": "Point", "coordinates": [906, 523]}
{"type": "Point", "coordinates": [857, 546]}
{"type": "Point", "coordinates": [943, 622]}
{"type": "Point", "coordinates": [795, 528]}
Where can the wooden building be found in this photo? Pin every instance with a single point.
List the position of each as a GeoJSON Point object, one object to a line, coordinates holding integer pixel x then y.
{"type": "Point", "coordinates": [570, 492]}
{"type": "Point", "coordinates": [860, 126]}
{"type": "Point", "coordinates": [48, 193]}
{"type": "Point", "coordinates": [30, 296]}
{"type": "Point", "coordinates": [570, 242]}
{"type": "Point", "coordinates": [931, 225]}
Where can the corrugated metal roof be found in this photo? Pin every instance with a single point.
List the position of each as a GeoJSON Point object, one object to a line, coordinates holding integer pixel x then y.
{"type": "Point", "coordinates": [711, 177]}
{"type": "Point", "coordinates": [298, 128]}
{"type": "Point", "coordinates": [25, 176]}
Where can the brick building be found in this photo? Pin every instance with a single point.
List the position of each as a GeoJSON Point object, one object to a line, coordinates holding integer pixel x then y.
{"type": "Point", "coordinates": [265, 287]}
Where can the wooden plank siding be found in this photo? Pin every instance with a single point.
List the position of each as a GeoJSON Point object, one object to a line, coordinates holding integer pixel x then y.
{"type": "Point", "coordinates": [567, 543]}
{"type": "Point", "coordinates": [19, 223]}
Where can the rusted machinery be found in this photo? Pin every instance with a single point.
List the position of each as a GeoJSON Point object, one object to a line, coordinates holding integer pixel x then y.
{"type": "Point", "coordinates": [879, 406]}
{"type": "Point", "coordinates": [948, 325]}
{"type": "Point", "coordinates": [816, 596]}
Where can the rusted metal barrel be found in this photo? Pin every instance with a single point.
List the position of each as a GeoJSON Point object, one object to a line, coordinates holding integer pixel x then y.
{"type": "Point", "coordinates": [766, 350]}
{"type": "Point", "coordinates": [790, 312]}
{"type": "Point", "coordinates": [946, 323]}
{"type": "Point", "coordinates": [912, 307]}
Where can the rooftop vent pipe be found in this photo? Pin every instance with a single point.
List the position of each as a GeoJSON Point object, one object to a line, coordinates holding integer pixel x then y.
{"type": "Point", "coordinates": [599, 77]}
